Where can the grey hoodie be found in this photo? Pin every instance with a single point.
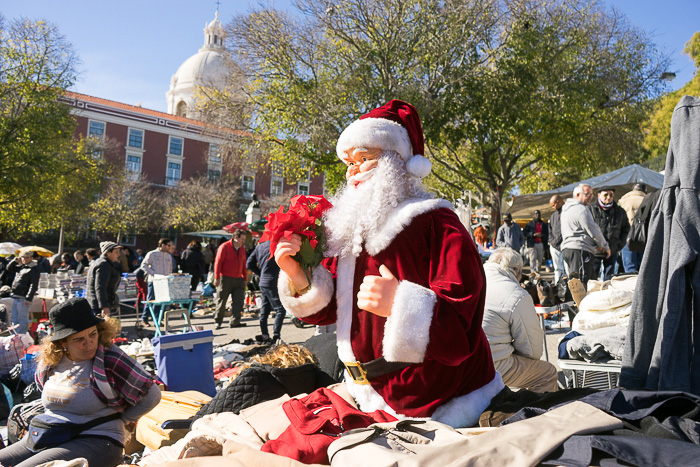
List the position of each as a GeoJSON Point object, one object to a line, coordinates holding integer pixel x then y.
{"type": "Point", "coordinates": [578, 229]}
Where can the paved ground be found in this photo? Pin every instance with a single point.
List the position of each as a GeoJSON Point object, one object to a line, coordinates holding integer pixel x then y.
{"type": "Point", "coordinates": [294, 335]}
{"type": "Point", "coordinates": [290, 333]}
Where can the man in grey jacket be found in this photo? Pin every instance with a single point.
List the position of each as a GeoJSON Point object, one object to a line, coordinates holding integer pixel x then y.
{"type": "Point", "coordinates": [512, 327]}
{"type": "Point", "coordinates": [582, 237]}
{"type": "Point", "coordinates": [510, 234]}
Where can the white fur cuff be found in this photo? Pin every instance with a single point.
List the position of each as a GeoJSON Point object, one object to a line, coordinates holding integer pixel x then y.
{"type": "Point", "coordinates": [407, 330]}
{"type": "Point", "coordinates": [318, 296]}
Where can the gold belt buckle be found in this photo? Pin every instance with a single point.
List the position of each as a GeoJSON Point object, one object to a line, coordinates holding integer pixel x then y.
{"type": "Point", "coordinates": [357, 373]}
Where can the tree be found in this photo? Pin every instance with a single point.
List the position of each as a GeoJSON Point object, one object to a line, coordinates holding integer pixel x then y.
{"type": "Point", "coordinates": [199, 204]}
{"type": "Point", "coordinates": [129, 206]}
{"type": "Point", "coordinates": [658, 128]}
{"type": "Point", "coordinates": [46, 174]}
{"type": "Point", "coordinates": [505, 88]}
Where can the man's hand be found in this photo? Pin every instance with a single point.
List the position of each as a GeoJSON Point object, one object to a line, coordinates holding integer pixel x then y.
{"type": "Point", "coordinates": [377, 293]}
{"type": "Point", "coordinates": [217, 281]}
{"type": "Point", "coordinates": [105, 312]}
{"type": "Point", "coordinates": [27, 302]}
{"type": "Point", "coordinates": [283, 255]}
{"type": "Point", "coordinates": [608, 252]}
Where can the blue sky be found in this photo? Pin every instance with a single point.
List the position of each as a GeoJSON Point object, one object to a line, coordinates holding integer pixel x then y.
{"type": "Point", "coordinates": [130, 49]}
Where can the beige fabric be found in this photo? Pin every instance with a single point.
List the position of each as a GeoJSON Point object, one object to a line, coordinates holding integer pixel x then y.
{"type": "Point", "coordinates": [79, 462]}
{"type": "Point", "coordinates": [172, 406]}
{"type": "Point", "coordinates": [527, 373]}
{"type": "Point", "coordinates": [207, 436]}
{"type": "Point", "coordinates": [523, 443]}
{"type": "Point", "coordinates": [238, 455]}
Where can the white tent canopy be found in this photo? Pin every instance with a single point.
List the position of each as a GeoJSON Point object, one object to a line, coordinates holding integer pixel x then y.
{"type": "Point", "coordinates": [621, 179]}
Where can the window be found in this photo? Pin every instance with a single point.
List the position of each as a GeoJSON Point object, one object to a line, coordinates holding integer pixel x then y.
{"type": "Point", "coordinates": [303, 186]}
{"type": "Point", "coordinates": [248, 185]}
{"type": "Point", "coordinates": [129, 239]}
{"type": "Point", "coordinates": [173, 176]}
{"type": "Point", "coordinates": [96, 130]}
{"type": "Point", "coordinates": [214, 154]}
{"type": "Point", "coordinates": [276, 186]}
{"type": "Point", "coordinates": [214, 175]}
{"type": "Point", "coordinates": [175, 146]}
{"type": "Point", "coordinates": [135, 138]}
{"type": "Point", "coordinates": [133, 166]}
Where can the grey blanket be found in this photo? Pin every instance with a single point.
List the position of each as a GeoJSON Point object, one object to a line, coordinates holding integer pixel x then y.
{"type": "Point", "coordinates": [598, 344]}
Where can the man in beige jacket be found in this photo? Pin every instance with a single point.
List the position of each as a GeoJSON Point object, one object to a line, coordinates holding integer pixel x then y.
{"type": "Point", "coordinates": [631, 260]}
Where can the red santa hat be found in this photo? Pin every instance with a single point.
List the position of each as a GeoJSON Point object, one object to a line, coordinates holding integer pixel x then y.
{"type": "Point", "coordinates": [394, 126]}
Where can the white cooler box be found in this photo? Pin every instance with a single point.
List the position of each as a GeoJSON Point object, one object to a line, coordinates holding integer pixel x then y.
{"type": "Point", "coordinates": [174, 287]}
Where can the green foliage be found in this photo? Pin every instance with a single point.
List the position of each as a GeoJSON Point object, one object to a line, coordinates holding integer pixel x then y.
{"type": "Point", "coordinates": [658, 127]}
{"type": "Point", "coordinates": [506, 89]}
{"type": "Point", "coordinates": [128, 206]}
{"type": "Point", "coordinates": [46, 175]}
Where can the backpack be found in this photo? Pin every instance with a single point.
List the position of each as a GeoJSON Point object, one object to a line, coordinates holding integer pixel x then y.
{"type": "Point", "coordinates": [637, 237]}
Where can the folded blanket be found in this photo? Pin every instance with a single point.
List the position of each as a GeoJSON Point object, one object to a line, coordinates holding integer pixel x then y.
{"type": "Point", "coordinates": [598, 344]}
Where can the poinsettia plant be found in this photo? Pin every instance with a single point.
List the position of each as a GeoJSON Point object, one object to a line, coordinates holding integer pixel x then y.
{"type": "Point", "coordinates": [303, 218]}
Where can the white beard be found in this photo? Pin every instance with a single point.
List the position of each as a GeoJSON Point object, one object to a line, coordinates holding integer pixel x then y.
{"type": "Point", "coordinates": [358, 212]}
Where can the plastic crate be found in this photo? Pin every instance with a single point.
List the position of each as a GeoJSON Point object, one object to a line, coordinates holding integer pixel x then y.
{"type": "Point", "coordinates": [169, 288]}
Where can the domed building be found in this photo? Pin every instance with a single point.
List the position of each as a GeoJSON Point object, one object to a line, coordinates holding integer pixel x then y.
{"type": "Point", "coordinates": [209, 67]}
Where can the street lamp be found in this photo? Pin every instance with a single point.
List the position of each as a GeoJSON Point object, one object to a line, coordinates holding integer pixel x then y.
{"type": "Point", "coordinates": [667, 76]}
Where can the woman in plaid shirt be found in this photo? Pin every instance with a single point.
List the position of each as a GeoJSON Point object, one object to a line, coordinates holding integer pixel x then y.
{"type": "Point", "coordinates": [84, 376]}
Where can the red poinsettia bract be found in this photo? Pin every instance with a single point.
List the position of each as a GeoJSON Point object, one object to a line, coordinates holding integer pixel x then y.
{"type": "Point", "coordinates": [302, 218]}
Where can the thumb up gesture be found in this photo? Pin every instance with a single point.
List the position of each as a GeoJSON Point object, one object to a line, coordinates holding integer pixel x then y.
{"type": "Point", "coordinates": [377, 293]}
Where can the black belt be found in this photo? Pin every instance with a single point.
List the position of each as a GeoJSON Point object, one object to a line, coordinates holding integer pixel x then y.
{"type": "Point", "coordinates": [361, 373]}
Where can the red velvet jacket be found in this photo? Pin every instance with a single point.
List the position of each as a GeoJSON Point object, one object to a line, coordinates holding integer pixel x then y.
{"type": "Point", "coordinates": [435, 322]}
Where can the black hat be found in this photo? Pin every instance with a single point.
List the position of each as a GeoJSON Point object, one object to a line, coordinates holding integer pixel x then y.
{"type": "Point", "coordinates": [606, 188]}
{"type": "Point", "coordinates": [507, 215]}
{"type": "Point", "coordinates": [71, 317]}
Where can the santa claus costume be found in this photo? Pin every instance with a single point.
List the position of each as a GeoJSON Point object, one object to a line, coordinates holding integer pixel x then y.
{"type": "Point", "coordinates": [435, 323]}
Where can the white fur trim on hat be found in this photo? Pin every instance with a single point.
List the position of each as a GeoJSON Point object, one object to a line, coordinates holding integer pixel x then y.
{"type": "Point", "coordinates": [419, 166]}
{"type": "Point", "coordinates": [317, 297]}
{"type": "Point", "coordinates": [375, 133]}
{"type": "Point", "coordinates": [407, 330]}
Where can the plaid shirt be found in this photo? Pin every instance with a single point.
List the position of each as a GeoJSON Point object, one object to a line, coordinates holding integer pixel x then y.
{"type": "Point", "coordinates": [116, 378]}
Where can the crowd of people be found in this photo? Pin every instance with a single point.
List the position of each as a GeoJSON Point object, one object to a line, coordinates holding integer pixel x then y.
{"type": "Point", "coordinates": [586, 237]}
{"type": "Point", "coordinates": [402, 281]}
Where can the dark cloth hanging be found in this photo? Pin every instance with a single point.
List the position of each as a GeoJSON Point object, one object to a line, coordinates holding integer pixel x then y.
{"type": "Point", "coordinates": [662, 350]}
{"type": "Point", "coordinates": [661, 428]}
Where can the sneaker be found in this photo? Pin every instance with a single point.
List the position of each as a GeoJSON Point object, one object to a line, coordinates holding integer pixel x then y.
{"type": "Point", "coordinates": [218, 326]}
{"type": "Point", "coordinates": [144, 323]}
{"type": "Point", "coordinates": [237, 325]}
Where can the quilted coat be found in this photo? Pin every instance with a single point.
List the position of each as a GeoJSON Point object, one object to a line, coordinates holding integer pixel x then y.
{"type": "Point", "coordinates": [260, 383]}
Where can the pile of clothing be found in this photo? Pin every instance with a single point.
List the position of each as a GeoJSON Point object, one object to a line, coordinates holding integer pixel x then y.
{"type": "Point", "coordinates": [599, 329]}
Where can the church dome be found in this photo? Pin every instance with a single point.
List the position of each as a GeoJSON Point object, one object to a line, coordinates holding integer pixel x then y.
{"type": "Point", "coordinates": [209, 67]}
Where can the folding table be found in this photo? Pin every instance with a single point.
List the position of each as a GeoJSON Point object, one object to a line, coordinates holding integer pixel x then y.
{"type": "Point", "coordinates": [185, 304]}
